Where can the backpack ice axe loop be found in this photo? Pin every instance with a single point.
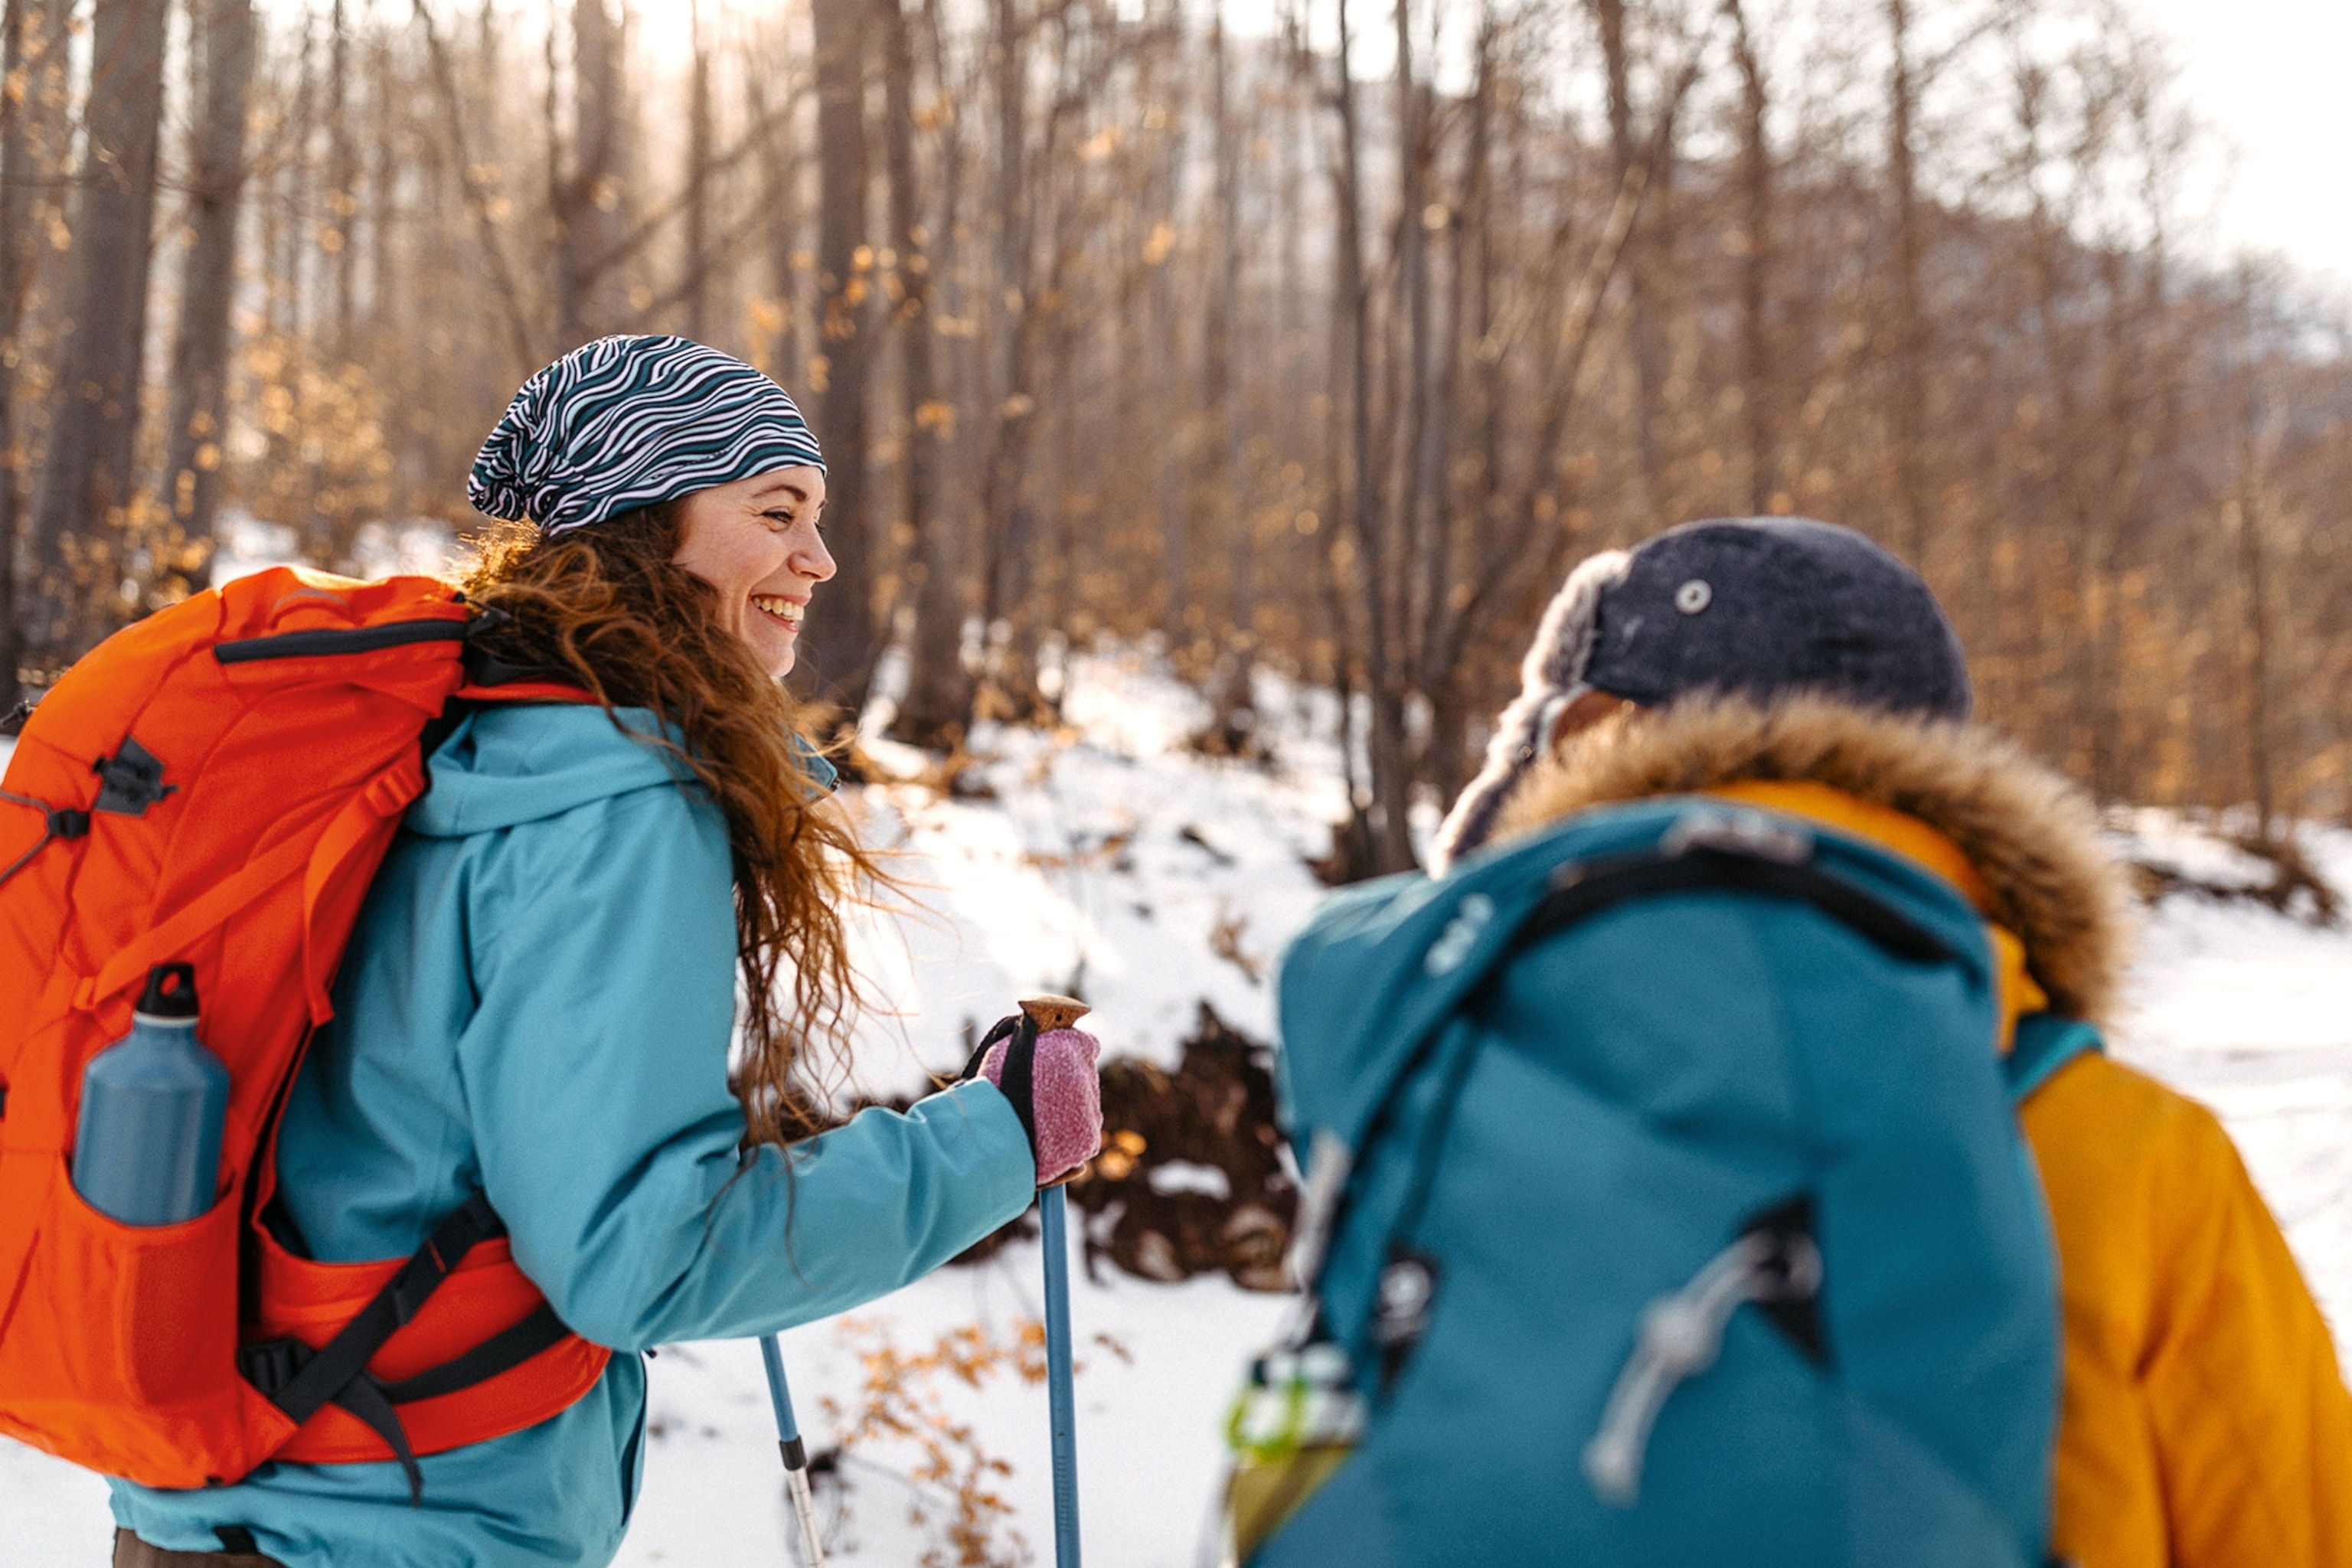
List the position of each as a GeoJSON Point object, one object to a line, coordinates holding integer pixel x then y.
{"type": "Point", "coordinates": [1773, 1262]}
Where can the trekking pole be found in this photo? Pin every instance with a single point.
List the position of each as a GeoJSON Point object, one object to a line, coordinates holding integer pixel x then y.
{"type": "Point", "coordinates": [1047, 1014]}
{"type": "Point", "coordinates": [795, 1453]}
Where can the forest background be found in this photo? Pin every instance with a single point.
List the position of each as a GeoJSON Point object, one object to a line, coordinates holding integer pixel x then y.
{"type": "Point", "coordinates": [1146, 319]}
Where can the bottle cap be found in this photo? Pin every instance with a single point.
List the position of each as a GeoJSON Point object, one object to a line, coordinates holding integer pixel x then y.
{"type": "Point", "coordinates": [171, 992]}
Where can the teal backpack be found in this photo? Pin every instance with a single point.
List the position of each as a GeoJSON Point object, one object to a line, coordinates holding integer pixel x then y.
{"type": "Point", "coordinates": [1664, 1205]}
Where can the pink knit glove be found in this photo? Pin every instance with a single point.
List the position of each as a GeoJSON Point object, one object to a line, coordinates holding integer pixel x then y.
{"type": "Point", "coordinates": [1064, 1099]}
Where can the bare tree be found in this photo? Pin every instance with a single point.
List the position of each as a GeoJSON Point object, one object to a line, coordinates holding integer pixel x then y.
{"type": "Point", "coordinates": [1176, 329]}
{"type": "Point", "coordinates": [1907, 345]}
{"type": "Point", "coordinates": [938, 701]}
{"type": "Point", "coordinates": [86, 475]}
{"type": "Point", "coordinates": [26, 39]}
{"type": "Point", "coordinates": [1757, 385]}
{"type": "Point", "coordinates": [699, 148]}
{"type": "Point", "coordinates": [587, 197]}
{"type": "Point", "coordinates": [196, 424]}
{"type": "Point", "coordinates": [1235, 725]}
{"type": "Point", "coordinates": [842, 637]}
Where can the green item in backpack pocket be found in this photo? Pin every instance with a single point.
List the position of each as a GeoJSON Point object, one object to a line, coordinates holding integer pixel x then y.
{"type": "Point", "coordinates": [1293, 1425]}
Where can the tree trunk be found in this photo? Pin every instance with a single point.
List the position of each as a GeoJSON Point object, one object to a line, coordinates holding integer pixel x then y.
{"type": "Point", "coordinates": [1161, 201]}
{"type": "Point", "coordinates": [1649, 346]}
{"type": "Point", "coordinates": [1234, 724]}
{"type": "Point", "coordinates": [840, 637]}
{"type": "Point", "coordinates": [197, 420]}
{"type": "Point", "coordinates": [588, 201]}
{"type": "Point", "coordinates": [391, 154]}
{"type": "Point", "coordinates": [343, 181]}
{"type": "Point", "coordinates": [86, 473]}
{"type": "Point", "coordinates": [25, 41]}
{"type": "Point", "coordinates": [696, 285]}
{"type": "Point", "coordinates": [1391, 772]}
{"type": "Point", "coordinates": [938, 701]}
{"type": "Point", "coordinates": [1463, 523]}
{"type": "Point", "coordinates": [1006, 579]}
{"type": "Point", "coordinates": [1908, 329]}
{"type": "Point", "coordinates": [779, 200]}
{"type": "Point", "coordinates": [1756, 389]}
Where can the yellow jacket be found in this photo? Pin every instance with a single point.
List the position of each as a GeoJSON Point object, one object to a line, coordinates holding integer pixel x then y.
{"type": "Point", "coordinates": [2205, 1423]}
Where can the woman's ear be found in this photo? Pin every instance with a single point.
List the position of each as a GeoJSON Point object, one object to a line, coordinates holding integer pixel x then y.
{"type": "Point", "coordinates": [1589, 708]}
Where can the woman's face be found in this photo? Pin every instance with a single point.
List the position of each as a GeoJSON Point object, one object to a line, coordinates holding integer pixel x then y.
{"type": "Point", "coordinates": [756, 542]}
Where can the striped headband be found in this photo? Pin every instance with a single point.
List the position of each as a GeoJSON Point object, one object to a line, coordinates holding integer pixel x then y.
{"type": "Point", "coordinates": [625, 422]}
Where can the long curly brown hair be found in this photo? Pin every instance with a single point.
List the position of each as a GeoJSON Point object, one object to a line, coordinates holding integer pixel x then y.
{"type": "Point", "coordinates": [606, 609]}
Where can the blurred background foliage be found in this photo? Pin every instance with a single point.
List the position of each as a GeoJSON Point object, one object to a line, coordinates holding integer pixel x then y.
{"type": "Point", "coordinates": [1146, 319]}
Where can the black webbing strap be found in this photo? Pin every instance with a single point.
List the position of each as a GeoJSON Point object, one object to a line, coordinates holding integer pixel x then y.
{"type": "Point", "coordinates": [1016, 1078]}
{"type": "Point", "coordinates": [1709, 868]}
{"type": "Point", "coordinates": [502, 1351]}
{"type": "Point", "coordinates": [346, 1355]}
{"type": "Point", "coordinates": [1018, 1081]}
{"type": "Point", "coordinates": [364, 1397]}
{"type": "Point", "coordinates": [300, 1381]}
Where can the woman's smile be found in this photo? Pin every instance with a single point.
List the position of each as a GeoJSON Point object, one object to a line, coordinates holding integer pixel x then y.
{"type": "Point", "coordinates": [788, 611]}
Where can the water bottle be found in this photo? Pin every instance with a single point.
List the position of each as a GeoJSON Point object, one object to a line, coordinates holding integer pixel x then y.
{"type": "Point", "coordinates": [147, 1148]}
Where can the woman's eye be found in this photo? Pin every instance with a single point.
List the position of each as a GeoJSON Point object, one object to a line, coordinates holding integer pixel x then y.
{"type": "Point", "coordinates": [781, 519]}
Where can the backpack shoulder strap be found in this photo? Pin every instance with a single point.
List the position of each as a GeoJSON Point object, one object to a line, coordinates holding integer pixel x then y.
{"type": "Point", "coordinates": [1703, 851]}
{"type": "Point", "coordinates": [2045, 1043]}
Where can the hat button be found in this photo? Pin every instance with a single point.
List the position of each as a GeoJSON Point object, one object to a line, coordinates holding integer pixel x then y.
{"type": "Point", "coordinates": [1694, 596]}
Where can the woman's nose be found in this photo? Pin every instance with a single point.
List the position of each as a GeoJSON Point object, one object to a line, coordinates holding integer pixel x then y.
{"type": "Point", "coordinates": [811, 559]}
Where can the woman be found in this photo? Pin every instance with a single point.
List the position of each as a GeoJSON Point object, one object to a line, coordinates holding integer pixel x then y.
{"type": "Point", "coordinates": [538, 1003]}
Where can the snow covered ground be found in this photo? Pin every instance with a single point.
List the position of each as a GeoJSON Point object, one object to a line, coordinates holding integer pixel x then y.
{"type": "Point", "coordinates": [1114, 860]}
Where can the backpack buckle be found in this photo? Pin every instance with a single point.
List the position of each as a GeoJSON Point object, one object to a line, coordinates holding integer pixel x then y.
{"type": "Point", "coordinates": [270, 1364]}
{"type": "Point", "coordinates": [130, 780]}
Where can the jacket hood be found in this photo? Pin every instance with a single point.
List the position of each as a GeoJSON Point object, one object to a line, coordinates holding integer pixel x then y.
{"type": "Point", "coordinates": [2031, 834]}
{"type": "Point", "coordinates": [511, 764]}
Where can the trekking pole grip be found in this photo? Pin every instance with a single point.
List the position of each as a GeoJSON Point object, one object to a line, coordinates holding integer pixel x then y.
{"type": "Point", "coordinates": [1051, 1012]}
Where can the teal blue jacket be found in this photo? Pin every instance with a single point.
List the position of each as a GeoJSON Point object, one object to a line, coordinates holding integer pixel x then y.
{"type": "Point", "coordinates": [538, 1003]}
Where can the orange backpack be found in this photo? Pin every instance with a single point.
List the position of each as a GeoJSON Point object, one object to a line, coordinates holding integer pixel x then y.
{"type": "Point", "coordinates": [216, 786]}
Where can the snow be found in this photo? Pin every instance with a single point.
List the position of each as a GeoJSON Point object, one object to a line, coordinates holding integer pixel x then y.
{"type": "Point", "coordinates": [2251, 1014]}
{"type": "Point", "coordinates": [1114, 861]}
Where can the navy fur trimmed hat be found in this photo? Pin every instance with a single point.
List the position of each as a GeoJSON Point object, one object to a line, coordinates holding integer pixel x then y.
{"type": "Point", "coordinates": [1757, 607]}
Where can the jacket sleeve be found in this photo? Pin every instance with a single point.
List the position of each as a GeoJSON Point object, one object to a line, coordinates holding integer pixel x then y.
{"type": "Point", "coordinates": [2253, 1424]}
{"type": "Point", "coordinates": [594, 1070]}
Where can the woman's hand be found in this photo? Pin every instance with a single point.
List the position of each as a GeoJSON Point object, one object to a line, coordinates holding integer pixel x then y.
{"type": "Point", "coordinates": [1058, 1100]}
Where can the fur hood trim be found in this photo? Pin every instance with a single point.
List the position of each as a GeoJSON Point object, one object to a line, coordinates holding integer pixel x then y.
{"type": "Point", "coordinates": [1551, 676]}
{"type": "Point", "coordinates": [2031, 834]}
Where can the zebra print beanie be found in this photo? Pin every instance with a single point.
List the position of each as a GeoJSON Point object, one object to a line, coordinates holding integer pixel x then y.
{"type": "Point", "coordinates": [626, 422]}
